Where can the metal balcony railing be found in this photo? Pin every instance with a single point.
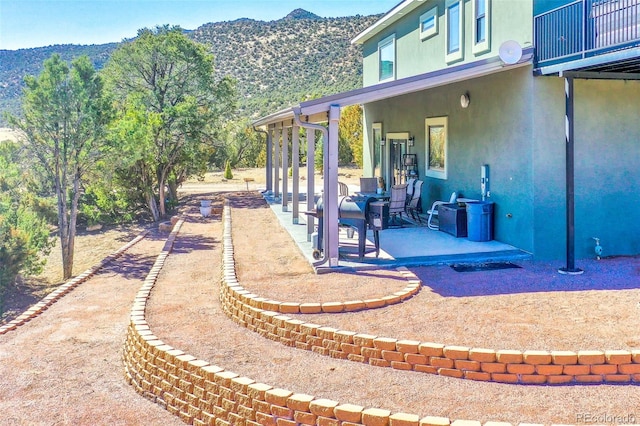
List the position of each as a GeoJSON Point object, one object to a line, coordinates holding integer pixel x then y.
{"type": "Point", "coordinates": [586, 28]}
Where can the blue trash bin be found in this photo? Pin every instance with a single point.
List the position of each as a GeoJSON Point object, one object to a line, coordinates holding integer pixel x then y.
{"type": "Point", "coordinates": [480, 220]}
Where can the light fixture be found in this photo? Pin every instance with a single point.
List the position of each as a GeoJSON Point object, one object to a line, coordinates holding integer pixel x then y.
{"type": "Point", "coordinates": [412, 141]}
{"type": "Point", "coordinates": [382, 142]}
{"type": "Point", "coordinates": [465, 100]}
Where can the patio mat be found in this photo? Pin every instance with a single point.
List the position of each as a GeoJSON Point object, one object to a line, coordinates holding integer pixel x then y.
{"type": "Point", "coordinates": [491, 266]}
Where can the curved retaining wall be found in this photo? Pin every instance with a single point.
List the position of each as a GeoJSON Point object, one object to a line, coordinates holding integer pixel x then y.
{"type": "Point", "coordinates": [204, 394]}
{"type": "Point", "coordinates": [505, 366]}
{"type": "Point", "coordinates": [65, 288]}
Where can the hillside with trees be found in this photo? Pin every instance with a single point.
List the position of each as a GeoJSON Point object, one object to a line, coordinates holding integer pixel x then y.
{"type": "Point", "coordinates": [275, 63]}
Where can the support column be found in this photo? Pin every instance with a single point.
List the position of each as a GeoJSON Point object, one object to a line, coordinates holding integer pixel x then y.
{"type": "Point", "coordinates": [276, 163]}
{"type": "Point", "coordinates": [570, 268]}
{"type": "Point", "coordinates": [330, 197]}
{"type": "Point", "coordinates": [285, 169]}
{"type": "Point", "coordinates": [295, 164]}
{"type": "Point", "coordinates": [269, 165]}
{"type": "Point", "coordinates": [311, 185]}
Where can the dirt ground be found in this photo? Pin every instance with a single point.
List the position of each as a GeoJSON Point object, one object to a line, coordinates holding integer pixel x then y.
{"type": "Point", "coordinates": [273, 267]}
{"type": "Point", "coordinates": [64, 367]}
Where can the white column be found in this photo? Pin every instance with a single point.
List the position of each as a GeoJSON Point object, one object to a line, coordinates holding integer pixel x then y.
{"type": "Point", "coordinates": [295, 163]}
{"type": "Point", "coordinates": [285, 168]}
{"type": "Point", "coordinates": [276, 163]}
{"type": "Point", "coordinates": [269, 165]}
{"type": "Point", "coordinates": [311, 190]}
{"type": "Point", "coordinates": [330, 197]}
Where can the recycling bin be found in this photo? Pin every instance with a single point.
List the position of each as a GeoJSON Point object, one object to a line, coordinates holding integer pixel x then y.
{"type": "Point", "coordinates": [480, 220]}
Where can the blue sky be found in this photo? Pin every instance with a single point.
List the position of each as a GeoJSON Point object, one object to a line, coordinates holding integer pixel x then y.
{"type": "Point", "coordinates": [37, 23]}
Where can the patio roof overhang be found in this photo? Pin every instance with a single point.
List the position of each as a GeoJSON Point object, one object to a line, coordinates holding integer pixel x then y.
{"type": "Point", "coordinates": [617, 65]}
{"type": "Point", "coordinates": [315, 110]}
{"type": "Point", "coordinates": [327, 110]}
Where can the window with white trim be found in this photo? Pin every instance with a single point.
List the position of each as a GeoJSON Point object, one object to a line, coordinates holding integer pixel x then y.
{"type": "Point", "coordinates": [481, 10]}
{"type": "Point", "coordinates": [387, 58]}
{"type": "Point", "coordinates": [437, 146]}
{"type": "Point", "coordinates": [429, 23]}
{"type": "Point", "coordinates": [454, 21]}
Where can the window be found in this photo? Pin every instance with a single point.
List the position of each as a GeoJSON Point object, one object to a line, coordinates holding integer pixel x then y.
{"type": "Point", "coordinates": [387, 58]}
{"type": "Point", "coordinates": [429, 23]}
{"type": "Point", "coordinates": [455, 30]}
{"type": "Point", "coordinates": [436, 144]}
{"type": "Point", "coordinates": [481, 25]}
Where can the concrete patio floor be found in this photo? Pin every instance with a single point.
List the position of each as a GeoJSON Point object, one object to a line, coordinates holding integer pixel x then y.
{"type": "Point", "coordinates": [411, 245]}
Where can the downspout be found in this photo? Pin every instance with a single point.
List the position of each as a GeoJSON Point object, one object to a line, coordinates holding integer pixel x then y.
{"type": "Point", "coordinates": [325, 140]}
{"type": "Point", "coordinates": [269, 171]}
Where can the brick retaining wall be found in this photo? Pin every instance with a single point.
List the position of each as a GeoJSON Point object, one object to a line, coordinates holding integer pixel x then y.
{"type": "Point", "coordinates": [204, 394]}
{"type": "Point", "coordinates": [267, 318]}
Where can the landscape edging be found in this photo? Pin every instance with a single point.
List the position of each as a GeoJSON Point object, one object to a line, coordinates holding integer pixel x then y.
{"type": "Point", "coordinates": [65, 288]}
{"type": "Point", "coordinates": [203, 394]}
{"type": "Point", "coordinates": [531, 367]}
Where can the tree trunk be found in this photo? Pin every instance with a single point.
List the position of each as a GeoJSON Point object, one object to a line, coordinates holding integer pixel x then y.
{"type": "Point", "coordinates": [173, 190]}
{"type": "Point", "coordinates": [162, 178]}
{"type": "Point", "coordinates": [63, 223]}
{"type": "Point", "coordinates": [153, 205]}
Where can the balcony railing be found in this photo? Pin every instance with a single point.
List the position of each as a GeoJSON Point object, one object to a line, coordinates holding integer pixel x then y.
{"type": "Point", "coordinates": [586, 28]}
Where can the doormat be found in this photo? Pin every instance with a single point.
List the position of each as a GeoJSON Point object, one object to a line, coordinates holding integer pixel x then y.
{"type": "Point", "coordinates": [490, 266]}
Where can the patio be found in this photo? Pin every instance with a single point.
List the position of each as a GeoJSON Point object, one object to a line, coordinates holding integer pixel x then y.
{"type": "Point", "coordinates": [414, 244]}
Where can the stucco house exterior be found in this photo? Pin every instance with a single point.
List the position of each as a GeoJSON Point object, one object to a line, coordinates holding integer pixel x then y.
{"type": "Point", "coordinates": [541, 96]}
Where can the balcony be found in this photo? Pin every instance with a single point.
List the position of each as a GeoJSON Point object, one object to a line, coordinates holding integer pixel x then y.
{"type": "Point", "coordinates": [589, 33]}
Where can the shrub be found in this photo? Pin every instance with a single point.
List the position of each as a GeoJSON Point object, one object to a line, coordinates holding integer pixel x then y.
{"type": "Point", "coordinates": [227, 171]}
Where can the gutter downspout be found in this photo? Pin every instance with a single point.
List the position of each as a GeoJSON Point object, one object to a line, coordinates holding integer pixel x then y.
{"type": "Point", "coordinates": [325, 140]}
{"type": "Point", "coordinates": [269, 165]}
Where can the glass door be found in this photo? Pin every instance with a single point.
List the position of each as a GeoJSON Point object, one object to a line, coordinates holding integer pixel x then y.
{"type": "Point", "coordinates": [397, 146]}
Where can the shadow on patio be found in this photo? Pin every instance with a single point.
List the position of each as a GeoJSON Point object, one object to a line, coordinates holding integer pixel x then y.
{"type": "Point", "coordinates": [413, 244]}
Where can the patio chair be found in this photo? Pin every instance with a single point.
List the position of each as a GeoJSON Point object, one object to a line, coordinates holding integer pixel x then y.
{"type": "Point", "coordinates": [410, 190]}
{"type": "Point", "coordinates": [368, 185]}
{"type": "Point", "coordinates": [398, 200]}
{"type": "Point", "coordinates": [343, 189]}
{"type": "Point", "coordinates": [414, 205]}
{"type": "Point", "coordinates": [433, 211]}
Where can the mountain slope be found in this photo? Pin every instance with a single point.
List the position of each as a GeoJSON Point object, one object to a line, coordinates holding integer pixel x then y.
{"type": "Point", "coordinates": [276, 63]}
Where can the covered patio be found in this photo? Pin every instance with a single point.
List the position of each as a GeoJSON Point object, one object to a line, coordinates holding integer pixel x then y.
{"type": "Point", "coordinates": [413, 244]}
{"type": "Point", "coordinates": [322, 115]}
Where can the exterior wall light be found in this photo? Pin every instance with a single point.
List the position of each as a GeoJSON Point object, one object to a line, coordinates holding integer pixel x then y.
{"type": "Point", "coordinates": [412, 141]}
{"type": "Point", "coordinates": [465, 100]}
{"type": "Point", "coordinates": [382, 142]}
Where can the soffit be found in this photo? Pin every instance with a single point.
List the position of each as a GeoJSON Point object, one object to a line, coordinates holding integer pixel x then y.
{"type": "Point", "coordinates": [317, 108]}
{"type": "Point", "coordinates": [398, 12]}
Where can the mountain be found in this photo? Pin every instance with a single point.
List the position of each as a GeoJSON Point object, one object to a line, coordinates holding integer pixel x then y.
{"type": "Point", "coordinates": [276, 63]}
{"type": "Point", "coordinates": [16, 64]}
{"type": "Point", "coordinates": [301, 14]}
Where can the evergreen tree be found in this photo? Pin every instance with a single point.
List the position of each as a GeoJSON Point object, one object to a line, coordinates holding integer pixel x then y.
{"type": "Point", "coordinates": [65, 115]}
{"type": "Point", "coordinates": [171, 107]}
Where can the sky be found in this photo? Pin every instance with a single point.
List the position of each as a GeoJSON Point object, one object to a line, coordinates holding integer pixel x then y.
{"type": "Point", "coordinates": [37, 23]}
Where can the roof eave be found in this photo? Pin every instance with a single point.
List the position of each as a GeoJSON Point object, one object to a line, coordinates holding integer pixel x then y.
{"type": "Point", "coordinates": [395, 14]}
{"type": "Point", "coordinates": [276, 117]}
{"type": "Point", "coordinates": [413, 84]}
{"type": "Point", "coordinates": [400, 87]}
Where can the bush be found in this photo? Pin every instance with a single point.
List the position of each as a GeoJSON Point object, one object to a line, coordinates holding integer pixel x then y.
{"type": "Point", "coordinates": [227, 171]}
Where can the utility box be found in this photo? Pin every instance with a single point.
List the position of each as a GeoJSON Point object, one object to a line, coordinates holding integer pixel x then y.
{"type": "Point", "coordinates": [452, 219]}
{"type": "Point", "coordinates": [480, 220]}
